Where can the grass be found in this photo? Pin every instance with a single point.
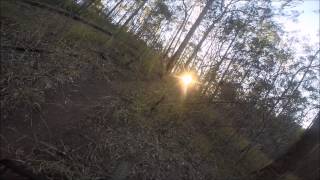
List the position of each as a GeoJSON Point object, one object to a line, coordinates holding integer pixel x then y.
{"type": "Point", "coordinates": [169, 139]}
{"type": "Point", "coordinates": [29, 27]}
{"type": "Point", "coordinates": [82, 34]}
{"type": "Point", "coordinates": [289, 176]}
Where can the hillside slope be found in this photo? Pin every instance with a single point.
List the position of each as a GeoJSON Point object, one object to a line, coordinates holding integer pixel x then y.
{"type": "Point", "coordinates": [79, 104]}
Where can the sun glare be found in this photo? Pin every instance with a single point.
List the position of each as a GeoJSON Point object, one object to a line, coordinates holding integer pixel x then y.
{"type": "Point", "coordinates": [186, 79]}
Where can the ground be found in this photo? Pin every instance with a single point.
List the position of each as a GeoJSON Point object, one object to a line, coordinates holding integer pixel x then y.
{"type": "Point", "coordinates": [70, 111]}
{"type": "Point", "coordinates": [79, 104]}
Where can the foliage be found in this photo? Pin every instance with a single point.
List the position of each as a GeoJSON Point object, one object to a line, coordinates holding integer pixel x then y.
{"type": "Point", "coordinates": [243, 112]}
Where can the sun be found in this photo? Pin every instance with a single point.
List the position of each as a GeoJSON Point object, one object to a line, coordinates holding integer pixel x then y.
{"type": "Point", "coordinates": [186, 79]}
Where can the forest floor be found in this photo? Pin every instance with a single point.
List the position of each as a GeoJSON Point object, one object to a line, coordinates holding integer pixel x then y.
{"type": "Point", "coordinates": [55, 98]}
{"type": "Point", "coordinates": [77, 106]}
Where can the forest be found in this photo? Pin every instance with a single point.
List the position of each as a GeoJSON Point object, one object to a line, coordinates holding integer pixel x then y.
{"type": "Point", "coordinates": [157, 90]}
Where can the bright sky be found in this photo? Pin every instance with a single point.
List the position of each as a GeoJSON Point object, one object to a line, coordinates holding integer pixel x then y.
{"type": "Point", "coordinates": [309, 21]}
{"type": "Point", "coordinates": [307, 26]}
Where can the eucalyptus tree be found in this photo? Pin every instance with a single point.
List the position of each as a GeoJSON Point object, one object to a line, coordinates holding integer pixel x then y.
{"type": "Point", "coordinates": [125, 7]}
{"type": "Point", "coordinates": [114, 8]}
{"type": "Point", "coordinates": [292, 93]}
{"type": "Point", "coordinates": [88, 3]}
{"type": "Point", "coordinates": [185, 41]}
{"type": "Point", "coordinates": [257, 61]}
{"type": "Point", "coordinates": [187, 12]}
{"type": "Point", "coordinates": [303, 152]}
{"type": "Point", "coordinates": [153, 21]}
{"type": "Point", "coordinates": [135, 12]}
{"type": "Point", "coordinates": [220, 9]}
{"type": "Point", "coordinates": [239, 32]}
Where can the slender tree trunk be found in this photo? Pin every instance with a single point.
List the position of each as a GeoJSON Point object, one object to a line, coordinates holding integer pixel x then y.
{"type": "Point", "coordinates": [204, 37]}
{"type": "Point", "coordinates": [143, 26]}
{"type": "Point", "coordinates": [177, 40]}
{"type": "Point", "coordinates": [201, 66]}
{"type": "Point", "coordinates": [184, 43]}
{"type": "Point", "coordinates": [217, 66]}
{"type": "Point", "coordinates": [222, 78]}
{"type": "Point", "coordinates": [117, 11]}
{"type": "Point", "coordinates": [134, 14]}
{"type": "Point", "coordinates": [121, 19]}
{"type": "Point", "coordinates": [114, 8]}
{"type": "Point", "coordinates": [305, 149]}
{"type": "Point", "coordinates": [195, 51]}
{"type": "Point", "coordinates": [175, 35]}
{"type": "Point", "coordinates": [299, 83]}
{"type": "Point", "coordinates": [157, 37]}
{"type": "Point", "coordinates": [293, 77]}
{"type": "Point", "coordinates": [273, 82]}
{"type": "Point", "coordinates": [87, 4]}
{"type": "Point", "coordinates": [264, 124]}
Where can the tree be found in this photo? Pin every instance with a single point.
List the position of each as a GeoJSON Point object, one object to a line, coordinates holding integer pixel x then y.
{"type": "Point", "coordinates": [114, 8]}
{"type": "Point", "coordinates": [135, 12]}
{"type": "Point", "coordinates": [213, 20]}
{"type": "Point", "coordinates": [187, 13]}
{"type": "Point", "coordinates": [184, 43]}
{"type": "Point", "coordinates": [307, 146]}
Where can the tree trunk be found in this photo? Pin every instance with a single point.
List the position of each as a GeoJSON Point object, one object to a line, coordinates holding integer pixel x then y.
{"type": "Point", "coordinates": [86, 4]}
{"type": "Point", "coordinates": [183, 24]}
{"type": "Point", "coordinates": [143, 26]}
{"type": "Point", "coordinates": [114, 8]}
{"type": "Point", "coordinates": [301, 159]}
{"type": "Point", "coordinates": [292, 79]}
{"type": "Point", "coordinates": [122, 18]}
{"type": "Point", "coordinates": [195, 51]}
{"type": "Point", "coordinates": [184, 43]}
{"type": "Point", "coordinates": [134, 14]}
{"type": "Point", "coordinates": [299, 83]}
{"type": "Point", "coordinates": [217, 66]}
{"type": "Point", "coordinates": [222, 78]}
{"type": "Point", "coordinates": [204, 37]}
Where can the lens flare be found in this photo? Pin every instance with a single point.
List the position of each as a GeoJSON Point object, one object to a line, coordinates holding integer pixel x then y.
{"type": "Point", "coordinates": [186, 79]}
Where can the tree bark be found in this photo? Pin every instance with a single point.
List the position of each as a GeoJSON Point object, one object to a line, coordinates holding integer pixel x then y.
{"type": "Point", "coordinates": [184, 43]}
{"type": "Point", "coordinates": [114, 8]}
{"type": "Point", "coordinates": [217, 66]}
{"type": "Point", "coordinates": [134, 14]}
{"type": "Point", "coordinates": [195, 51]}
{"type": "Point", "coordinates": [204, 37]}
{"type": "Point", "coordinates": [87, 4]}
{"type": "Point", "coordinates": [175, 35]}
{"type": "Point", "coordinates": [292, 79]}
{"type": "Point", "coordinates": [296, 156]}
{"type": "Point", "coordinates": [122, 18]}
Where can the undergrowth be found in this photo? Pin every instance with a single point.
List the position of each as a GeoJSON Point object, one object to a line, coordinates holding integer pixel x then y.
{"type": "Point", "coordinates": [148, 131]}
{"type": "Point", "coordinates": [75, 52]}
